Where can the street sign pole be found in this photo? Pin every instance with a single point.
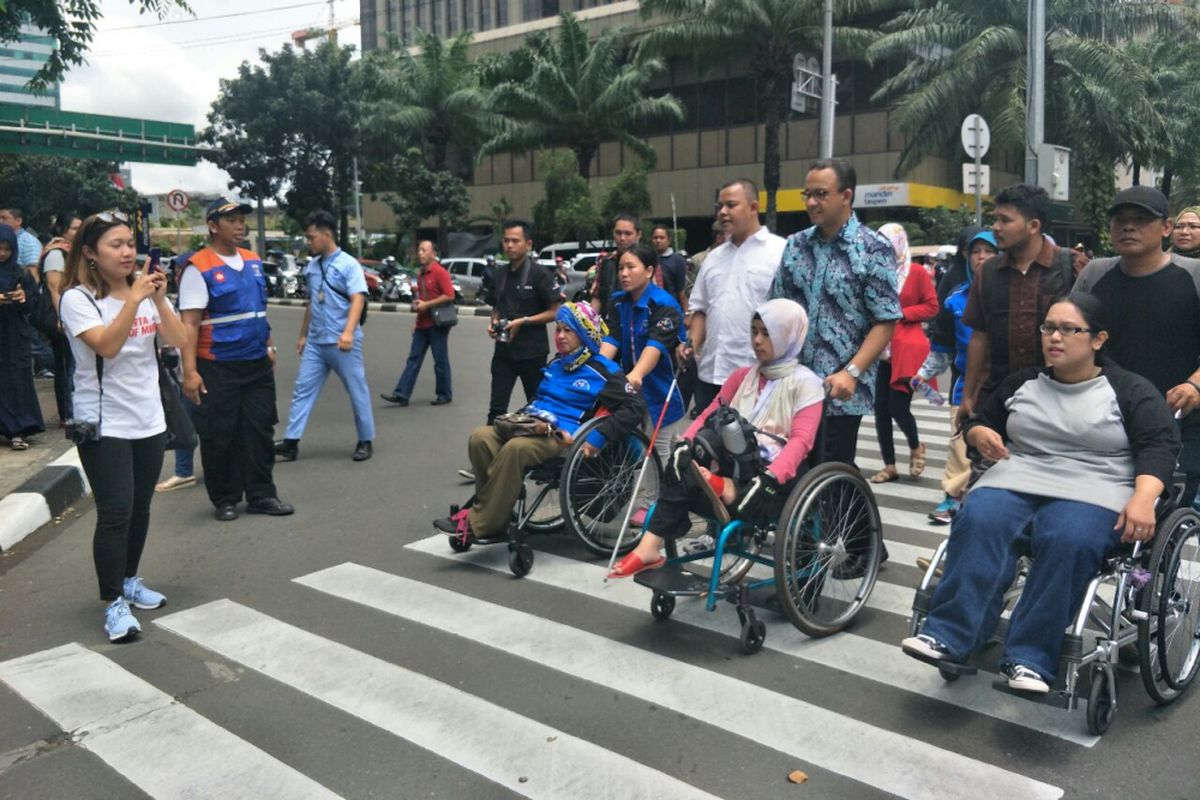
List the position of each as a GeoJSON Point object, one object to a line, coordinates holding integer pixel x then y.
{"type": "Point", "coordinates": [978, 176]}
{"type": "Point", "coordinates": [826, 133]}
{"type": "Point", "coordinates": [976, 139]}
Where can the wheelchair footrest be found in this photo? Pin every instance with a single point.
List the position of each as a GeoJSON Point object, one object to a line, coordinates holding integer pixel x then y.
{"type": "Point", "coordinates": [953, 667]}
{"type": "Point", "coordinates": [671, 579]}
{"type": "Point", "coordinates": [1058, 698]}
{"type": "Point", "coordinates": [490, 540]}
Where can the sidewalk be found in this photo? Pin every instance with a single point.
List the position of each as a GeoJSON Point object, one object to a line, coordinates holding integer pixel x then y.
{"type": "Point", "coordinates": [38, 484]}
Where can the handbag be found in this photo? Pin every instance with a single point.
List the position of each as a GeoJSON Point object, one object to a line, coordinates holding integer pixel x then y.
{"type": "Point", "coordinates": [181, 431]}
{"type": "Point", "coordinates": [43, 316]}
{"type": "Point", "coordinates": [444, 316]}
{"type": "Point", "coordinates": [520, 423]}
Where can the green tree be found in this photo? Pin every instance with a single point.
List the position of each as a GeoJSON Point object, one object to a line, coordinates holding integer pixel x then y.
{"type": "Point", "coordinates": [291, 121]}
{"type": "Point", "coordinates": [578, 94]}
{"type": "Point", "coordinates": [628, 192]}
{"type": "Point", "coordinates": [566, 212]}
{"type": "Point", "coordinates": [72, 25]}
{"type": "Point", "coordinates": [415, 192]}
{"type": "Point", "coordinates": [431, 98]}
{"type": "Point", "coordinates": [965, 56]}
{"type": "Point", "coordinates": [43, 186]}
{"type": "Point", "coordinates": [767, 34]}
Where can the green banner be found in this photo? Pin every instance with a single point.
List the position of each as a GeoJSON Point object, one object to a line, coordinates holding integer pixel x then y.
{"type": "Point", "coordinates": [48, 131]}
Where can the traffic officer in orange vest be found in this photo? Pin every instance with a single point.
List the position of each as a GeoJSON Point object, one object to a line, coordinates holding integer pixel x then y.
{"type": "Point", "coordinates": [229, 366]}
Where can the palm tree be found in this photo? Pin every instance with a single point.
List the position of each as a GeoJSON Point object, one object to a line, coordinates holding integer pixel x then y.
{"type": "Point", "coordinates": [969, 56]}
{"type": "Point", "coordinates": [578, 94]}
{"type": "Point", "coordinates": [768, 34]}
{"type": "Point", "coordinates": [432, 98]}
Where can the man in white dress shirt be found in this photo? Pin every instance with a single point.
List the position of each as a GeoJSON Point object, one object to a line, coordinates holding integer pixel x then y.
{"type": "Point", "coordinates": [733, 281]}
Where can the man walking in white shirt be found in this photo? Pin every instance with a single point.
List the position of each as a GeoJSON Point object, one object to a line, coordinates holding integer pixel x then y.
{"type": "Point", "coordinates": [734, 280]}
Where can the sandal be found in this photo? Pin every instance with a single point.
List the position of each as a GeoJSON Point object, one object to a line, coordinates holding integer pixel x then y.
{"type": "Point", "coordinates": [720, 512]}
{"type": "Point", "coordinates": [916, 462]}
{"type": "Point", "coordinates": [632, 564]}
{"type": "Point", "coordinates": [885, 475]}
{"type": "Point", "coordinates": [18, 443]}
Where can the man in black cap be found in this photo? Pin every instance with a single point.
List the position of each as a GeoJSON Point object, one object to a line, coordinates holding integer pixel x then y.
{"type": "Point", "coordinates": [229, 366]}
{"type": "Point", "coordinates": [1153, 302]}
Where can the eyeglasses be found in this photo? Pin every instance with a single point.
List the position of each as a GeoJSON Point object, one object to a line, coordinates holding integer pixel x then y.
{"type": "Point", "coordinates": [113, 216]}
{"type": "Point", "coordinates": [818, 194]}
{"type": "Point", "coordinates": [1049, 329]}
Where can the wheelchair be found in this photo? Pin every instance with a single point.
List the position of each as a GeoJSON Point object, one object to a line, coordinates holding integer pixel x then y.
{"type": "Point", "coordinates": [585, 496]}
{"type": "Point", "coordinates": [824, 551]}
{"type": "Point", "coordinates": [1142, 610]}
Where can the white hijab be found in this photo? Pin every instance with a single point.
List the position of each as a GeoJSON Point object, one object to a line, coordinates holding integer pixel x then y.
{"type": "Point", "coordinates": [790, 386]}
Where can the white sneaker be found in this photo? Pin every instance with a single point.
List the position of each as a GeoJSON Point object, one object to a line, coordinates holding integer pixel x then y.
{"type": "Point", "coordinates": [1023, 678]}
{"type": "Point", "coordinates": [926, 647]}
{"type": "Point", "coordinates": [704, 543]}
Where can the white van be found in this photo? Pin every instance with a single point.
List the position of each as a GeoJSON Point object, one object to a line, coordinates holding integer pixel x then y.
{"type": "Point", "coordinates": [568, 250]}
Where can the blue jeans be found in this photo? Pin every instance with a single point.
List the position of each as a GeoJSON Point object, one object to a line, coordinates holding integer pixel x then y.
{"type": "Point", "coordinates": [316, 362]}
{"type": "Point", "coordinates": [1068, 541]}
{"type": "Point", "coordinates": [185, 457]}
{"type": "Point", "coordinates": [436, 339]}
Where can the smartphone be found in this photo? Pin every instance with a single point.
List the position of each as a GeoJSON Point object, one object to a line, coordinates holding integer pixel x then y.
{"type": "Point", "coordinates": [154, 262]}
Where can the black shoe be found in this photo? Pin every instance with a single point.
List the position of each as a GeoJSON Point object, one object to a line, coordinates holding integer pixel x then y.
{"type": "Point", "coordinates": [270, 506]}
{"type": "Point", "coordinates": [226, 512]}
{"type": "Point", "coordinates": [363, 451]}
{"type": "Point", "coordinates": [395, 398]}
{"type": "Point", "coordinates": [440, 401]}
{"type": "Point", "coordinates": [287, 449]}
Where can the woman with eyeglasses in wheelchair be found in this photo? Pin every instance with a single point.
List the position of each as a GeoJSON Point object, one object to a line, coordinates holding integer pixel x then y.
{"type": "Point", "coordinates": [1082, 450]}
{"type": "Point", "coordinates": [575, 386]}
{"type": "Point", "coordinates": [781, 399]}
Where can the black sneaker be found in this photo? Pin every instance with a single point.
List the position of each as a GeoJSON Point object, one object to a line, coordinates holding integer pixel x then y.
{"type": "Point", "coordinates": [270, 506]}
{"type": "Point", "coordinates": [395, 399]}
{"type": "Point", "coordinates": [363, 451]}
{"type": "Point", "coordinates": [287, 449]}
{"type": "Point", "coordinates": [1023, 678]}
{"type": "Point", "coordinates": [925, 647]}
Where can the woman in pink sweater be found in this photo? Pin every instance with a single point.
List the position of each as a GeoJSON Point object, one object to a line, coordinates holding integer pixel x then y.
{"type": "Point", "coordinates": [781, 399]}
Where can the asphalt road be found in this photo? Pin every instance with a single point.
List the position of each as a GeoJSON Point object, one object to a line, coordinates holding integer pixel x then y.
{"type": "Point", "coordinates": [346, 652]}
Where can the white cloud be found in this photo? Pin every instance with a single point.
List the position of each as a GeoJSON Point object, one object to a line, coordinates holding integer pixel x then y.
{"type": "Point", "coordinates": [172, 72]}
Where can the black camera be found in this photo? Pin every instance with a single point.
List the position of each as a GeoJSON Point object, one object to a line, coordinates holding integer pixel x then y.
{"type": "Point", "coordinates": [80, 431]}
{"type": "Point", "coordinates": [500, 328]}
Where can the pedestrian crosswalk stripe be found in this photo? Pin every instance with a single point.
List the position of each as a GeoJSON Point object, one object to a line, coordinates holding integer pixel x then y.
{"type": "Point", "coordinates": [524, 756]}
{"type": "Point", "coordinates": [857, 655]}
{"type": "Point", "coordinates": [907, 491]}
{"type": "Point", "coordinates": [151, 739]}
{"type": "Point", "coordinates": [897, 764]}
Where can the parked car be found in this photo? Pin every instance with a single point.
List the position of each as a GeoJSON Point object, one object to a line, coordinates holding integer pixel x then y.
{"type": "Point", "coordinates": [569, 250]}
{"type": "Point", "coordinates": [468, 274]}
{"type": "Point", "coordinates": [577, 273]}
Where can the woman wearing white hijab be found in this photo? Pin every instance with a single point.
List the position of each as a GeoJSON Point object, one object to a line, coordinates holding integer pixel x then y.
{"type": "Point", "coordinates": [777, 396]}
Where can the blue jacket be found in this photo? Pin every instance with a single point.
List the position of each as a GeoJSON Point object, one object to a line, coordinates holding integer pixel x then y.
{"type": "Point", "coordinates": [575, 396]}
{"type": "Point", "coordinates": [654, 320]}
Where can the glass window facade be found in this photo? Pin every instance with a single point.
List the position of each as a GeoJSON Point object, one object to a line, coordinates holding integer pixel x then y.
{"type": "Point", "coordinates": [402, 18]}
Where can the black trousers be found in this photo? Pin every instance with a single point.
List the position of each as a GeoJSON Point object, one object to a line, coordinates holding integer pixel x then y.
{"type": "Point", "coordinates": [505, 372]}
{"type": "Point", "coordinates": [892, 404]}
{"type": "Point", "coordinates": [705, 393]}
{"type": "Point", "coordinates": [122, 473]}
{"type": "Point", "coordinates": [236, 422]}
{"type": "Point", "coordinates": [841, 439]}
{"type": "Point", "coordinates": [676, 499]}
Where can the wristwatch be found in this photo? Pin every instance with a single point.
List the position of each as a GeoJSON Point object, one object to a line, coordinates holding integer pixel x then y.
{"type": "Point", "coordinates": [853, 371]}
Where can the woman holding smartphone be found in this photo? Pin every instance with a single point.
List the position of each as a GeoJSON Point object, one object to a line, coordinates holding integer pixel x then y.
{"type": "Point", "coordinates": [111, 314]}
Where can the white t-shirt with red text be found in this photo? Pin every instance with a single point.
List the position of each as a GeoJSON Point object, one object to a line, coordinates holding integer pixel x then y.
{"type": "Point", "coordinates": [132, 406]}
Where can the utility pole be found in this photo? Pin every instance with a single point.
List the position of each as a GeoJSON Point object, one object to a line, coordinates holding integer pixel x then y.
{"type": "Point", "coordinates": [829, 86]}
{"type": "Point", "coordinates": [358, 222]}
{"type": "Point", "coordinates": [332, 24]}
{"type": "Point", "coordinates": [1035, 94]}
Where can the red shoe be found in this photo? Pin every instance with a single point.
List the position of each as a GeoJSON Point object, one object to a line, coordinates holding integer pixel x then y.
{"type": "Point", "coordinates": [632, 564]}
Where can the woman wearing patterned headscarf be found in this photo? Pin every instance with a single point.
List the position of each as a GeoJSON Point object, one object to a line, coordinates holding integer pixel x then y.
{"type": "Point", "coordinates": [778, 396]}
{"type": "Point", "coordinates": [1185, 238]}
{"type": "Point", "coordinates": [20, 412]}
{"type": "Point", "coordinates": [902, 359]}
{"type": "Point", "coordinates": [575, 386]}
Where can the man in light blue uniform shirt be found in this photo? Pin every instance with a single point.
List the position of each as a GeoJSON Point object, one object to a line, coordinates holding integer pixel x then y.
{"type": "Point", "coordinates": [331, 338]}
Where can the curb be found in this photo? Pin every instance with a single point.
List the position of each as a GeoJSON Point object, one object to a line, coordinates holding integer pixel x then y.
{"type": "Point", "coordinates": [42, 498]}
{"type": "Point", "coordinates": [376, 307]}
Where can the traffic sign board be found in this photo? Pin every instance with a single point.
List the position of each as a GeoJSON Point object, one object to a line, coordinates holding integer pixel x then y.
{"type": "Point", "coordinates": [177, 200]}
{"type": "Point", "coordinates": [976, 136]}
{"type": "Point", "coordinates": [976, 178]}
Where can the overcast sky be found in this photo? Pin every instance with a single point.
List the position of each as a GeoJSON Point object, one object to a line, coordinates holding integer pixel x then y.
{"type": "Point", "coordinates": [171, 72]}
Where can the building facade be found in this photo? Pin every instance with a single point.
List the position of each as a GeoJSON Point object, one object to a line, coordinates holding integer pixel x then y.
{"type": "Point", "coordinates": [721, 137]}
{"type": "Point", "coordinates": [20, 60]}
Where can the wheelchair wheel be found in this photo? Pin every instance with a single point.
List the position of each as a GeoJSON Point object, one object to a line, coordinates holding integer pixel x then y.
{"type": "Point", "coordinates": [1169, 638]}
{"type": "Point", "coordinates": [548, 517]}
{"type": "Point", "coordinates": [827, 549]}
{"type": "Point", "coordinates": [1102, 701]}
{"type": "Point", "coordinates": [661, 606]}
{"type": "Point", "coordinates": [520, 559]}
{"type": "Point", "coordinates": [595, 492]}
{"type": "Point", "coordinates": [459, 545]}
